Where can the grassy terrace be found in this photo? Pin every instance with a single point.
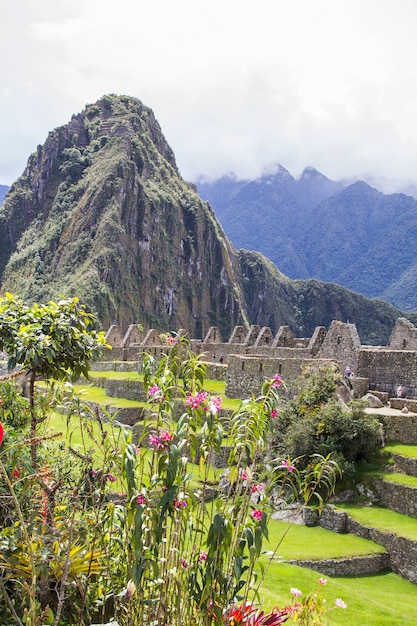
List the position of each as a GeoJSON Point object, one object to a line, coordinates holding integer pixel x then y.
{"type": "Point", "coordinates": [383, 519]}
{"type": "Point", "coordinates": [409, 450]}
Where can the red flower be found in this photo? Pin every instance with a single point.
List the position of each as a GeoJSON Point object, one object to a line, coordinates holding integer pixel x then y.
{"type": "Point", "coordinates": [252, 617]}
{"type": "Point", "coordinates": [1, 432]}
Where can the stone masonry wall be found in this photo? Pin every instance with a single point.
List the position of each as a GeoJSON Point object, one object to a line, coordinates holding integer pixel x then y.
{"type": "Point", "coordinates": [387, 369]}
{"type": "Point", "coordinates": [353, 566]}
{"type": "Point", "coordinates": [246, 375]}
{"type": "Point", "coordinates": [400, 498]}
{"type": "Point", "coordinates": [342, 344]}
{"type": "Point", "coordinates": [408, 465]}
{"type": "Point", "coordinates": [402, 427]}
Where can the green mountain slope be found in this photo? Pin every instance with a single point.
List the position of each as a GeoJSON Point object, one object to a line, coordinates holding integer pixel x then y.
{"type": "Point", "coordinates": [101, 212]}
{"type": "Point", "coordinates": [312, 228]}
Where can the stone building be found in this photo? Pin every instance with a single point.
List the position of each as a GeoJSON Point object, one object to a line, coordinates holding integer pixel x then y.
{"type": "Point", "coordinates": [251, 356]}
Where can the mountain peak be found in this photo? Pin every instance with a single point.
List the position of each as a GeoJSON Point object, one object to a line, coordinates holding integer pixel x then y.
{"type": "Point", "coordinates": [310, 172]}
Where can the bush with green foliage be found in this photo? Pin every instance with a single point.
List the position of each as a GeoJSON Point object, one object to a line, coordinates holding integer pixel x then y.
{"type": "Point", "coordinates": [316, 421]}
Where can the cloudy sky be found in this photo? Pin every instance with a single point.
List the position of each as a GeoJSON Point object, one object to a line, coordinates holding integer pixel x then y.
{"type": "Point", "coordinates": [236, 86]}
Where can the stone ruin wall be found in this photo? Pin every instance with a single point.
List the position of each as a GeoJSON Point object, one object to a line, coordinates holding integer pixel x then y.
{"type": "Point", "coordinates": [251, 356]}
{"type": "Point", "coordinates": [387, 369]}
{"type": "Point", "coordinates": [246, 374]}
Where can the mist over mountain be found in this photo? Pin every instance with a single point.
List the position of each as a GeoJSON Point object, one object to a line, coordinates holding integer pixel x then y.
{"type": "Point", "coordinates": [102, 213]}
{"type": "Point", "coordinates": [346, 233]}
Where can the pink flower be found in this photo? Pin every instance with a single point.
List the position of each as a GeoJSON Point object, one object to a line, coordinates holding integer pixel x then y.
{"type": "Point", "coordinates": [339, 602]}
{"type": "Point", "coordinates": [323, 581]}
{"type": "Point", "coordinates": [171, 340]}
{"type": "Point", "coordinates": [184, 563]}
{"type": "Point", "coordinates": [258, 487]}
{"type": "Point", "coordinates": [274, 414]}
{"type": "Point", "coordinates": [1, 432]}
{"type": "Point", "coordinates": [244, 475]}
{"type": "Point", "coordinates": [111, 478]}
{"type": "Point", "coordinates": [295, 592]}
{"type": "Point", "coordinates": [288, 465]}
{"type": "Point", "coordinates": [215, 404]}
{"type": "Point", "coordinates": [140, 500]}
{"type": "Point", "coordinates": [164, 435]}
{"type": "Point", "coordinates": [257, 514]}
{"type": "Point", "coordinates": [203, 556]}
{"type": "Point", "coordinates": [156, 442]}
{"type": "Point", "coordinates": [276, 381]}
{"type": "Point", "coordinates": [179, 504]}
{"type": "Point", "coordinates": [152, 391]}
{"type": "Point", "coordinates": [93, 472]}
{"type": "Point", "coordinates": [194, 400]}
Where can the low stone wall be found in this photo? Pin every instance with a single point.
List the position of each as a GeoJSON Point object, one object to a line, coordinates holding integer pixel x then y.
{"type": "Point", "coordinates": [402, 552]}
{"type": "Point", "coordinates": [216, 371]}
{"type": "Point", "coordinates": [115, 366]}
{"type": "Point", "coordinates": [401, 427]}
{"type": "Point", "coordinates": [408, 465]}
{"type": "Point", "coordinates": [401, 403]}
{"type": "Point", "coordinates": [129, 389]}
{"type": "Point", "coordinates": [354, 566]}
{"type": "Point", "coordinates": [216, 459]}
{"type": "Point", "coordinates": [246, 374]}
{"type": "Point", "coordinates": [126, 416]}
{"type": "Point", "coordinates": [399, 498]}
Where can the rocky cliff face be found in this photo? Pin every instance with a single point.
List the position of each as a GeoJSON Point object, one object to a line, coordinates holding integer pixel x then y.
{"type": "Point", "coordinates": [102, 213]}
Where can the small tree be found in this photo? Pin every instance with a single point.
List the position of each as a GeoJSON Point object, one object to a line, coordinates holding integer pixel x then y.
{"type": "Point", "coordinates": [51, 342]}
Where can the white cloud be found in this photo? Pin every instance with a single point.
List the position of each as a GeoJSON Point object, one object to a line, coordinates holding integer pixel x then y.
{"type": "Point", "coordinates": [235, 85]}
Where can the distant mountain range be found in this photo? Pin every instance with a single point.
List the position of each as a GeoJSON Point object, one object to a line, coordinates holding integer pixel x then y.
{"type": "Point", "coordinates": [312, 227]}
{"type": "Point", "coordinates": [102, 213]}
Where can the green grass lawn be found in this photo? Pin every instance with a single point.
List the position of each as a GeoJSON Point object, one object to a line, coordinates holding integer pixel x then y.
{"type": "Point", "coordinates": [409, 450]}
{"type": "Point", "coordinates": [384, 599]}
{"type": "Point", "coordinates": [97, 394]}
{"type": "Point", "coordinates": [304, 542]}
{"type": "Point", "coordinates": [400, 479]}
{"type": "Point", "coordinates": [91, 393]}
{"type": "Point", "coordinates": [383, 519]}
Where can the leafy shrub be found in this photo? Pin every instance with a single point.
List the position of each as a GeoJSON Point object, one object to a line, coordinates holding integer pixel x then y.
{"type": "Point", "coordinates": [315, 421]}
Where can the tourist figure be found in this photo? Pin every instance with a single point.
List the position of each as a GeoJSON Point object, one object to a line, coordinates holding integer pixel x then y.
{"type": "Point", "coordinates": [221, 358]}
{"type": "Point", "coordinates": [348, 376]}
{"type": "Point", "coordinates": [400, 392]}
